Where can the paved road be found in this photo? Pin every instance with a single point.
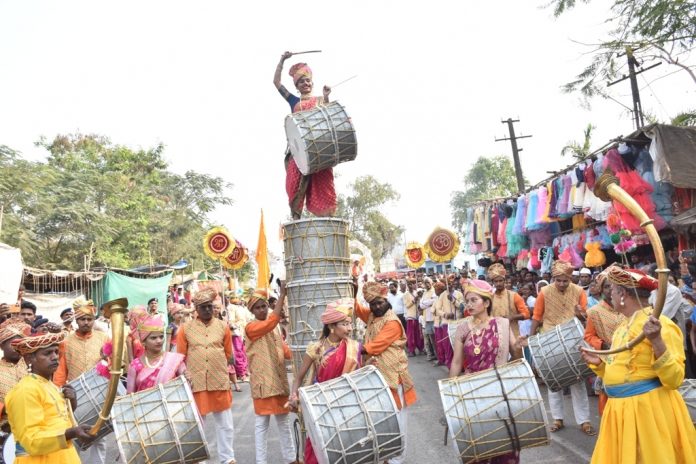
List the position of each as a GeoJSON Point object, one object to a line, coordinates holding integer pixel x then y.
{"type": "Point", "coordinates": [424, 434]}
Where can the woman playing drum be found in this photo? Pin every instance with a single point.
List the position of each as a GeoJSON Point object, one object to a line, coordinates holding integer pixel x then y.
{"type": "Point", "coordinates": [645, 419]}
{"type": "Point", "coordinates": [317, 188]}
{"type": "Point", "coordinates": [39, 412]}
{"type": "Point", "coordinates": [155, 365]}
{"type": "Point", "coordinates": [483, 341]}
{"type": "Point", "coordinates": [333, 355]}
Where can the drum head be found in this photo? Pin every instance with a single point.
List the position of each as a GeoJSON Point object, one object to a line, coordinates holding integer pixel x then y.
{"type": "Point", "coordinates": [8, 449]}
{"type": "Point", "coordinates": [297, 145]}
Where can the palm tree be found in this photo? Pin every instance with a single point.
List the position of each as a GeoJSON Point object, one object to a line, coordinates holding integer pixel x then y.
{"type": "Point", "coordinates": [578, 151]}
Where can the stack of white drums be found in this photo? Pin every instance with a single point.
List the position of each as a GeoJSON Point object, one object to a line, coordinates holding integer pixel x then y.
{"type": "Point", "coordinates": [317, 266]}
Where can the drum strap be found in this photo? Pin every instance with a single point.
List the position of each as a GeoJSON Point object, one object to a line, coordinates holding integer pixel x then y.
{"type": "Point", "coordinates": [512, 433]}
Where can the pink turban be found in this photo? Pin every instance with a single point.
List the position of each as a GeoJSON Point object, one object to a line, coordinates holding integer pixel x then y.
{"type": "Point", "coordinates": [299, 70]}
{"type": "Point", "coordinates": [372, 290]}
{"type": "Point", "coordinates": [338, 311]}
{"type": "Point", "coordinates": [480, 287]}
{"type": "Point", "coordinates": [150, 325]}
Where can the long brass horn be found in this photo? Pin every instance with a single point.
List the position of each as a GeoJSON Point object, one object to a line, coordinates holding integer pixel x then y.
{"type": "Point", "coordinates": [116, 311]}
{"type": "Point", "coordinates": [607, 188]}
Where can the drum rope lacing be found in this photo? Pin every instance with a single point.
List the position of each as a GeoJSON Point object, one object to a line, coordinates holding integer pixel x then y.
{"type": "Point", "coordinates": [571, 362]}
{"type": "Point", "coordinates": [165, 406]}
{"type": "Point", "coordinates": [332, 131]}
{"type": "Point", "coordinates": [513, 434]}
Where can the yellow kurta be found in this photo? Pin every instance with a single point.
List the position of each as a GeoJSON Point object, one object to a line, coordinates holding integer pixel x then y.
{"type": "Point", "coordinates": [652, 427]}
{"type": "Point", "coordinates": [39, 417]}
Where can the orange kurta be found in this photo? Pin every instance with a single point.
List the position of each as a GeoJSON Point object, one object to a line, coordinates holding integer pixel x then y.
{"type": "Point", "coordinates": [255, 330]}
{"type": "Point", "coordinates": [90, 346]}
{"type": "Point", "coordinates": [391, 332]}
{"type": "Point", "coordinates": [208, 401]}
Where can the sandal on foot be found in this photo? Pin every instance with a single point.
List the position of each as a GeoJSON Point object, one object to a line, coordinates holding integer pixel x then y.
{"type": "Point", "coordinates": [587, 429]}
{"type": "Point", "coordinates": [557, 425]}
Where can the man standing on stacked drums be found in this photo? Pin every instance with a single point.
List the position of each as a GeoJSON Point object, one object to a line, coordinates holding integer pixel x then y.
{"type": "Point", "coordinates": [318, 188]}
{"type": "Point", "coordinates": [385, 339]}
{"type": "Point", "coordinates": [80, 352]}
{"type": "Point", "coordinates": [558, 303]}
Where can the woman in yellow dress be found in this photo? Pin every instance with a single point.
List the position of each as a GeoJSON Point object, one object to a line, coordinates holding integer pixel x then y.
{"type": "Point", "coordinates": [645, 419]}
{"type": "Point", "coordinates": [40, 413]}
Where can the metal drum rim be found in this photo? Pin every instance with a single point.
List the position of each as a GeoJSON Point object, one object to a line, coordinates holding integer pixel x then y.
{"type": "Point", "coordinates": [328, 280]}
{"type": "Point", "coordinates": [160, 387]}
{"type": "Point", "coordinates": [576, 323]}
{"type": "Point", "coordinates": [326, 219]}
{"type": "Point", "coordinates": [542, 406]}
{"type": "Point", "coordinates": [367, 371]}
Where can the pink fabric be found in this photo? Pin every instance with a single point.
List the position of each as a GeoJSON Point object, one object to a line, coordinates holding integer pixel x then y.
{"type": "Point", "coordinates": [332, 368]}
{"type": "Point", "coordinates": [141, 377]}
{"type": "Point", "coordinates": [443, 346]}
{"type": "Point", "coordinates": [414, 336]}
{"type": "Point", "coordinates": [241, 363]}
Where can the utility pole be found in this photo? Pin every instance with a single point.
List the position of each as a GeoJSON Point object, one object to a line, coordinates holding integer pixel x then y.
{"type": "Point", "coordinates": [632, 64]}
{"type": "Point", "coordinates": [515, 151]}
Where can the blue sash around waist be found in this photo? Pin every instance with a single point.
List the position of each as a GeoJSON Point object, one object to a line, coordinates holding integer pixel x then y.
{"type": "Point", "coordinates": [626, 390]}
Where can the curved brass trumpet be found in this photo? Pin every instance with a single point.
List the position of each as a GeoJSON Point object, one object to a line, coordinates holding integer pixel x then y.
{"type": "Point", "coordinates": [607, 188]}
{"type": "Point", "coordinates": [116, 311]}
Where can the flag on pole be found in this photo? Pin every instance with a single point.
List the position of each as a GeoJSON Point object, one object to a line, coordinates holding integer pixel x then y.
{"type": "Point", "coordinates": [264, 270]}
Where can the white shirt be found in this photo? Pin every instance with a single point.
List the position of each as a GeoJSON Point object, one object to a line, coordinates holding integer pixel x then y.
{"type": "Point", "coordinates": [397, 302]}
{"type": "Point", "coordinates": [426, 304]}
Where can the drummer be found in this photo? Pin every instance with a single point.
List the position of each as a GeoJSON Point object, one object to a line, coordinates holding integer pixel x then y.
{"type": "Point", "coordinates": [318, 188]}
{"type": "Point", "coordinates": [40, 415]}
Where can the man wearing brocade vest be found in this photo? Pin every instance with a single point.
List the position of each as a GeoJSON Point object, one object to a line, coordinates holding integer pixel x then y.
{"type": "Point", "coordinates": [270, 389]}
{"type": "Point", "coordinates": [207, 344]}
{"type": "Point", "coordinates": [506, 303]}
{"type": "Point", "coordinates": [558, 303]}
{"type": "Point", "coordinates": [385, 340]}
{"type": "Point", "coordinates": [79, 353]}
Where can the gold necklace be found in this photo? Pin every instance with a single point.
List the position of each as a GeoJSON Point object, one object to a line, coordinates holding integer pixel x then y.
{"type": "Point", "coordinates": [481, 331]}
{"type": "Point", "coordinates": [332, 344]}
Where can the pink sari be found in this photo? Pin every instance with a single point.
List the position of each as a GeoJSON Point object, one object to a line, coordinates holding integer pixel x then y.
{"type": "Point", "coordinates": [141, 377]}
{"type": "Point", "coordinates": [334, 363]}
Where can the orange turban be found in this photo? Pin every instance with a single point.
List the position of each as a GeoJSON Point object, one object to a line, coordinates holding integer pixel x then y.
{"type": "Point", "coordinates": [299, 70]}
{"type": "Point", "coordinates": [338, 311]}
{"type": "Point", "coordinates": [12, 328]}
{"type": "Point", "coordinates": [82, 307]}
{"type": "Point", "coordinates": [31, 343]}
{"type": "Point", "coordinates": [372, 290]}
{"type": "Point", "coordinates": [258, 295]}
{"type": "Point", "coordinates": [207, 295]}
{"type": "Point", "coordinates": [496, 270]}
{"type": "Point", "coordinates": [560, 268]}
{"type": "Point", "coordinates": [439, 286]}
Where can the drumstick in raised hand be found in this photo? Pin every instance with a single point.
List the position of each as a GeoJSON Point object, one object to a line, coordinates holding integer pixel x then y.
{"type": "Point", "coordinates": [307, 51]}
{"type": "Point", "coordinates": [343, 81]}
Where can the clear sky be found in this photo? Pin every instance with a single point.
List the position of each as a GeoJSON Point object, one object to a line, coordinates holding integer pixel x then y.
{"type": "Point", "coordinates": [434, 81]}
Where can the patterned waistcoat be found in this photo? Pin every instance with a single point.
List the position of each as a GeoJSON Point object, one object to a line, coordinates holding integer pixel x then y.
{"type": "Point", "coordinates": [560, 307]}
{"type": "Point", "coordinates": [605, 320]}
{"type": "Point", "coordinates": [504, 306]}
{"type": "Point", "coordinates": [205, 357]}
{"type": "Point", "coordinates": [267, 366]}
{"type": "Point", "coordinates": [83, 353]}
{"type": "Point", "coordinates": [10, 374]}
{"type": "Point", "coordinates": [392, 363]}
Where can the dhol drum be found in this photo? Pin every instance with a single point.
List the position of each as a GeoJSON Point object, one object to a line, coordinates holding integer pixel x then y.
{"type": "Point", "coordinates": [352, 419]}
{"type": "Point", "coordinates": [297, 355]}
{"type": "Point", "coordinates": [8, 449]}
{"type": "Point", "coordinates": [160, 425]}
{"type": "Point", "coordinates": [90, 390]}
{"type": "Point", "coordinates": [307, 299]}
{"type": "Point", "coordinates": [556, 355]}
{"type": "Point", "coordinates": [316, 248]}
{"type": "Point", "coordinates": [688, 392]}
{"type": "Point", "coordinates": [494, 412]}
{"type": "Point", "coordinates": [321, 138]}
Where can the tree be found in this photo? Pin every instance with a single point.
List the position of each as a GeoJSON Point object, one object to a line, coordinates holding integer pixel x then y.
{"type": "Point", "coordinates": [121, 207]}
{"type": "Point", "coordinates": [577, 150]}
{"type": "Point", "coordinates": [368, 224]}
{"type": "Point", "coordinates": [488, 178]}
{"type": "Point", "coordinates": [656, 29]}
